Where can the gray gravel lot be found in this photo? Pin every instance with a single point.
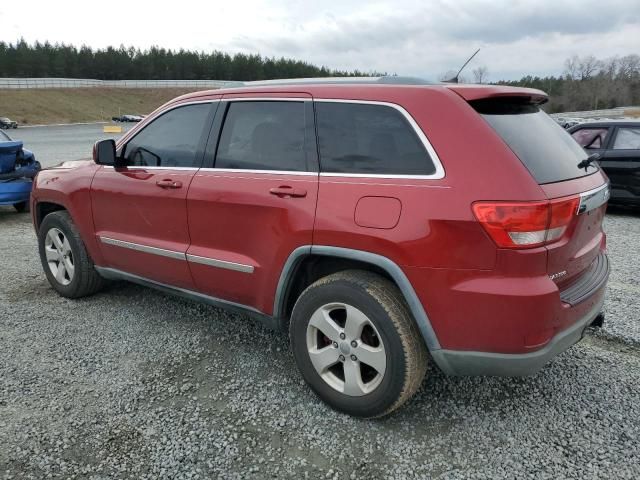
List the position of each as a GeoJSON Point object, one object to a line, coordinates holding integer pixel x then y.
{"type": "Point", "coordinates": [131, 383]}
{"type": "Point", "coordinates": [55, 144]}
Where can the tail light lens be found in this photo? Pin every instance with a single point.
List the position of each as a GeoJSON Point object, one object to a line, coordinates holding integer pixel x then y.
{"type": "Point", "coordinates": [526, 224]}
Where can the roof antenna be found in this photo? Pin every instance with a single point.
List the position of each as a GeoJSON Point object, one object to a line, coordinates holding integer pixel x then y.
{"type": "Point", "coordinates": [455, 79]}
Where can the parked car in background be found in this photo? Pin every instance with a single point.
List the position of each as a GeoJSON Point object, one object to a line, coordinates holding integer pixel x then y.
{"type": "Point", "coordinates": [7, 123]}
{"type": "Point", "coordinates": [617, 143]}
{"type": "Point", "coordinates": [385, 223]}
{"type": "Point", "coordinates": [18, 167]}
{"type": "Point", "coordinates": [128, 118]}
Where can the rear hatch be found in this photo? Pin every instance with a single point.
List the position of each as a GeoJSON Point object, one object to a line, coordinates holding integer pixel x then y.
{"type": "Point", "coordinates": [577, 195]}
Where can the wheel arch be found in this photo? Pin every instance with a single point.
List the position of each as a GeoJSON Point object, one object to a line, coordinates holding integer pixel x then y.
{"type": "Point", "coordinates": [43, 209]}
{"type": "Point", "coordinates": [294, 271]}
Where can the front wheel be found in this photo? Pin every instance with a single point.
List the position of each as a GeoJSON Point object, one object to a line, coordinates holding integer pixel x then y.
{"type": "Point", "coordinates": [356, 343]}
{"type": "Point", "coordinates": [65, 260]}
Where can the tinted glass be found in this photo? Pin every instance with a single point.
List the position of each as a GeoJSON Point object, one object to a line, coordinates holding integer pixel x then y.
{"type": "Point", "coordinates": [543, 146]}
{"type": "Point", "coordinates": [627, 139]}
{"type": "Point", "coordinates": [369, 139]}
{"type": "Point", "coordinates": [590, 137]}
{"type": "Point", "coordinates": [171, 140]}
{"type": "Point", "coordinates": [263, 136]}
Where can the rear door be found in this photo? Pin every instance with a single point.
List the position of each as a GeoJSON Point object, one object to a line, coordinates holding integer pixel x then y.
{"type": "Point", "coordinates": [621, 162]}
{"type": "Point", "coordinates": [255, 204]}
{"type": "Point", "coordinates": [140, 209]}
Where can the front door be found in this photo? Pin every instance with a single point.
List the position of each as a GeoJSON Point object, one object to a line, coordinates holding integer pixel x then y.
{"type": "Point", "coordinates": [139, 210]}
{"type": "Point", "coordinates": [256, 205]}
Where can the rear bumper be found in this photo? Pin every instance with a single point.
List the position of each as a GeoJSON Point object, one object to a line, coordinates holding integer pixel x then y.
{"type": "Point", "coordinates": [454, 362]}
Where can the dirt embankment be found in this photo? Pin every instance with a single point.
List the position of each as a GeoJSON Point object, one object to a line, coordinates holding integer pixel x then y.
{"type": "Point", "coordinates": [70, 105]}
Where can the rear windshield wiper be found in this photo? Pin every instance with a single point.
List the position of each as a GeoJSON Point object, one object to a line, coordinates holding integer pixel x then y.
{"type": "Point", "coordinates": [589, 160]}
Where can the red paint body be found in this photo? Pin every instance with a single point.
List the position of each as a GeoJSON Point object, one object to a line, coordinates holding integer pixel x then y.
{"type": "Point", "coordinates": [477, 296]}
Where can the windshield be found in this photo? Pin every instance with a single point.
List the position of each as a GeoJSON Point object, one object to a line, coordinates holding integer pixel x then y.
{"type": "Point", "coordinates": [543, 146]}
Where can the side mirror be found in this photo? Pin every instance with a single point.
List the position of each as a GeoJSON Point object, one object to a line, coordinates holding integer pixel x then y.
{"type": "Point", "coordinates": [104, 152]}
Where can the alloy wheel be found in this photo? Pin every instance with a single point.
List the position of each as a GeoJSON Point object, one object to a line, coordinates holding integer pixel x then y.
{"type": "Point", "coordinates": [346, 349]}
{"type": "Point", "coordinates": [59, 256]}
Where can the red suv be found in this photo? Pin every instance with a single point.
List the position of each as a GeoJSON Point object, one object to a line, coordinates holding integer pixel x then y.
{"type": "Point", "coordinates": [385, 224]}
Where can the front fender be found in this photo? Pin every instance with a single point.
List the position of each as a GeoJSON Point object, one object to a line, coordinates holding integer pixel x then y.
{"type": "Point", "coordinates": [69, 186]}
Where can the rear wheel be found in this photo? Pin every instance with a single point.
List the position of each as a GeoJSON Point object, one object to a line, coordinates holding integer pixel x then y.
{"type": "Point", "coordinates": [65, 260]}
{"type": "Point", "coordinates": [356, 344]}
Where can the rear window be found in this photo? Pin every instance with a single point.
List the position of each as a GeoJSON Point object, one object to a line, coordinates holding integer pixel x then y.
{"type": "Point", "coordinates": [356, 138]}
{"type": "Point", "coordinates": [543, 146]}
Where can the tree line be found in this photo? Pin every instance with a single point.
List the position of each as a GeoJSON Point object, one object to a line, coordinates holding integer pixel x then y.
{"type": "Point", "coordinates": [587, 83]}
{"type": "Point", "coordinates": [128, 63]}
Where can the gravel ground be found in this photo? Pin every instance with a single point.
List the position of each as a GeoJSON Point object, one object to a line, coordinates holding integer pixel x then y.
{"type": "Point", "coordinates": [131, 383]}
{"type": "Point", "coordinates": [623, 299]}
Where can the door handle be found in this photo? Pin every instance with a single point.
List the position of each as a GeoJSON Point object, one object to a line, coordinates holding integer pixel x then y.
{"type": "Point", "coordinates": [285, 191]}
{"type": "Point", "coordinates": [168, 183]}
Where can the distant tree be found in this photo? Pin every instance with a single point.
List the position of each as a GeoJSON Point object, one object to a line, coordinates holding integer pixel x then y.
{"type": "Point", "coordinates": [480, 74]}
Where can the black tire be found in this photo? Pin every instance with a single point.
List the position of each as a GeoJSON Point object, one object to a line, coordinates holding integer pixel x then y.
{"type": "Point", "coordinates": [86, 279]}
{"type": "Point", "coordinates": [384, 306]}
{"type": "Point", "coordinates": [21, 207]}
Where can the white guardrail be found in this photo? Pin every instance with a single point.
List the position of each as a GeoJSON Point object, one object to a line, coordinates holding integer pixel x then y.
{"type": "Point", "coordinates": [88, 83]}
{"type": "Point", "coordinates": [618, 112]}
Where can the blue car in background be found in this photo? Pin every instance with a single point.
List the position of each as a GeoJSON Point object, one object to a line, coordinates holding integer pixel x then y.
{"type": "Point", "coordinates": [18, 167]}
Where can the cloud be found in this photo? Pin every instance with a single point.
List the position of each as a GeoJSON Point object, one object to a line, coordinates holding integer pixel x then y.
{"type": "Point", "coordinates": [408, 37]}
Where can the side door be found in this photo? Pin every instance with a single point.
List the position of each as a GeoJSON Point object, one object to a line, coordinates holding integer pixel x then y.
{"type": "Point", "coordinates": [140, 208]}
{"type": "Point", "coordinates": [621, 163]}
{"type": "Point", "coordinates": [254, 202]}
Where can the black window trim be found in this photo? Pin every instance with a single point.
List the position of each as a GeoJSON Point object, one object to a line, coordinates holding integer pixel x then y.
{"type": "Point", "coordinates": [422, 136]}
{"type": "Point", "coordinates": [206, 130]}
{"type": "Point", "coordinates": [211, 150]}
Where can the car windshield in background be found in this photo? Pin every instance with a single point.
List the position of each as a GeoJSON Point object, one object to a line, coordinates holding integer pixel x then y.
{"type": "Point", "coordinates": [548, 151]}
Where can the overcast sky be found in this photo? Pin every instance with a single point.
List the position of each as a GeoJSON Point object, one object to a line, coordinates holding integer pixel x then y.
{"type": "Point", "coordinates": [407, 37]}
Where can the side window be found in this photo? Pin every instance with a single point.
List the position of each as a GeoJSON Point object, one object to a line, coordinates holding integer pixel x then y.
{"type": "Point", "coordinates": [627, 138]}
{"type": "Point", "coordinates": [170, 140]}
{"type": "Point", "coordinates": [590, 137]}
{"type": "Point", "coordinates": [263, 135]}
{"type": "Point", "coordinates": [369, 139]}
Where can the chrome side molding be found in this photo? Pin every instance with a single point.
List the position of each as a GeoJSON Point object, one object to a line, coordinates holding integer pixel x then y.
{"type": "Point", "coordinates": [212, 262]}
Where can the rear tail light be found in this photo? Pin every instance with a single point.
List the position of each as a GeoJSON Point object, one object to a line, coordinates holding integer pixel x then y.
{"type": "Point", "coordinates": [526, 224]}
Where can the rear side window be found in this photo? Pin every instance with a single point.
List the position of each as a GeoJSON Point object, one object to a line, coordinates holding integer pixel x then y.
{"type": "Point", "coordinates": [170, 140]}
{"type": "Point", "coordinates": [627, 139]}
{"type": "Point", "coordinates": [267, 135]}
{"type": "Point", "coordinates": [369, 139]}
{"type": "Point", "coordinates": [543, 146]}
{"type": "Point", "coordinates": [593, 138]}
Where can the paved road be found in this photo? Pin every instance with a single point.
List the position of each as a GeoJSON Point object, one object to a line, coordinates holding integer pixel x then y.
{"type": "Point", "coordinates": [55, 144]}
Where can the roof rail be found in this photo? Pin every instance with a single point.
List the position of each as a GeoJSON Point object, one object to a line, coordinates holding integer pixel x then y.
{"type": "Point", "coordinates": [389, 80]}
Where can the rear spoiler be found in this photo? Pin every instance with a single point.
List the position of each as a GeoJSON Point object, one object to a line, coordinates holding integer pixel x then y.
{"type": "Point", "coordinates": [472, 93]}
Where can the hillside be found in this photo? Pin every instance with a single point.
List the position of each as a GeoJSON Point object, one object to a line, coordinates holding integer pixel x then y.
{"type": "Point", "coordinates": [70, 105]}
